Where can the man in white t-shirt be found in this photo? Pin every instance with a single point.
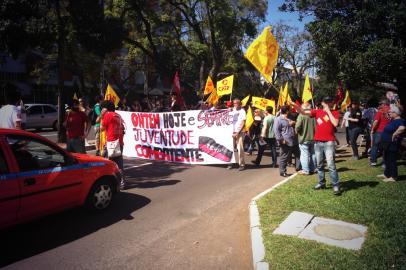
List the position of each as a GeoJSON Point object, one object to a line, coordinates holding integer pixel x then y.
{"type": "Point", "coordinates": [9, 114]}
{"type": "Point", "coordinates": [239, 117]}
{"type": "Point", "coordinates": [346, 124]}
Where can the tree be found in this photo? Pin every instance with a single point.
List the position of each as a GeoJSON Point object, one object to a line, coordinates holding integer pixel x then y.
{"type": "Point", "coordinates": [361, 43]}
{"type": "Point", "coordinates": [296, 55]}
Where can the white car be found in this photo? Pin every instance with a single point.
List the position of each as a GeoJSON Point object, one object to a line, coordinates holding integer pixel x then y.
{"type": "Point", "coordinates": [41, 116]}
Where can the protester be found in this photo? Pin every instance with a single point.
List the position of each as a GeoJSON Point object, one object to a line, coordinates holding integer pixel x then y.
{"type": "Point", "coordinates": [255, 132]}
{"type": "Point", "coordinates": [267, 135]}
{"type": "Point", "coordinates": [239, 116]}
{"type": "Point", "coordinates": [391, 138]}
{"type": "Point", "coordinates": [97, 114]}
{"type": "Point", "coordinates": [368, 114]}
{"type": "Point", "coordinates": [158, 106]}
{"type": "Point", "coordinates": [84, 106]}
{"type": "Point", "coordinates": [345, 124]}
{"type": "Point", "coordinates": [136, 106]}
{"type": "Point", "coordinates": [326, 122]}
{"type": "Point", "coordinates": [77, 128]}
{"type": "Point", "coordinates": [113, 125]}
{"type": "Point", "coordinates": [286, 137]}
{"type": "Point", "coordinates": [305, 127]}
{"type": "Point", "coordinates": [381, 119]}
{"type": "Point", "coordinates": [174, 104]}
{"type": "Point", "coordinates": [10, 116]}
{"type": "Point", "coordinates": [355, 125]}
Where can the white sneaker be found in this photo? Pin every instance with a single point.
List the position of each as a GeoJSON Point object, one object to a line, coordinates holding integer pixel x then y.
{"type": "Point", "coordinates": [389, 179]}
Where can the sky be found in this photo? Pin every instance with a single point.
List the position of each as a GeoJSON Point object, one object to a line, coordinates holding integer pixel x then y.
{"type": "Point", "coordinates": [274, 16]}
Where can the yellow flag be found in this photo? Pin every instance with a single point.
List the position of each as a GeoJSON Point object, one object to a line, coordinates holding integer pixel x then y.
{"type": "Point", "coordinates": [346, 102]}
{"type": "Point", "coordinates": [284, 96]}
{"type": "Point", "coordinates": [225, 86]}
{"type": "Point", "coordinates": [111, 95]}
{"type": "Point", "coordinates": [262, 103]}
{"type": "Point", "coordinates": [249, 120]}
{"type": "Point", "coordinates": [209, 86]}
{"type": "Point", "coordinates": [213, 98]}
{"type": "Point", "coordinates": [75, 97]}
{"type": "Point", "coordinates": [263, 53]}
{"type": "Point", "coordinates": [307, 91]}
{"type": "Point", "coordinates": [245, 100]}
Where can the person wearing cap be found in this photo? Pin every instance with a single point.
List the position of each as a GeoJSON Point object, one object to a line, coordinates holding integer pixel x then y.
{"type": "Point", "coordinates": [324, 141]}
{"type": "Point", "coordinates": [391, 138]}
{"type": "Point", "coordinates": [355, 125]}
{"type": "Point", "coordinates": [381, 119]}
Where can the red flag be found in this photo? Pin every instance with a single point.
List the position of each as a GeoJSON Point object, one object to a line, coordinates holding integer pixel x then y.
{"type": "Point", "coordinates": [176, 84]}
{"type": "Point", "coordinates": [339, 95]}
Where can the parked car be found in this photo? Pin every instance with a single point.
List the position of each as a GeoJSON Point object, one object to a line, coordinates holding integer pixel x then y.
{"type": "Point", "coordinates": [41, 116]}
{"type": "Point", "coordinates": [38, 178]}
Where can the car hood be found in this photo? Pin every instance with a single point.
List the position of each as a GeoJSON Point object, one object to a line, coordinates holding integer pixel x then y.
{"type": "Point", "coordinates": [84, 158]}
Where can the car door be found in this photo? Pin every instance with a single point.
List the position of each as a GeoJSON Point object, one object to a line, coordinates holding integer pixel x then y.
{"type": "Point", "coordinates": [51, 115]}
{"type": "Point", "coordinates": [34, 116]}
{"type": "Point", "coordinates": [9, 191]}
{"type": "Point", "coordinates": [45, 177]}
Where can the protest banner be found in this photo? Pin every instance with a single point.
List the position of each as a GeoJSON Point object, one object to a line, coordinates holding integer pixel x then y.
{"type": "Point", "coordinates": [194, 137]}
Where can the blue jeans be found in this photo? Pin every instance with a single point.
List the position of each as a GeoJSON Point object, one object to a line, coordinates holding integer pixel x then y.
{"type": "Point", "coordinates": [307, 156]}
{"type": "Point", "coordinates": [376, 147]}
{"type": "Point", "coordinates": [326, 149]}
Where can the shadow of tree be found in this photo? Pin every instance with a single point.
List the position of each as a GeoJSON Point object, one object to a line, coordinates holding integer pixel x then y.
{"type": "Point", "coordinates": [352, 184]}
{"type": "Point", "coordinates": [29, 239]}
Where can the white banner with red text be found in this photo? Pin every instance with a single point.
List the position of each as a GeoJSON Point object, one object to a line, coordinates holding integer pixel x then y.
{"type": "Point", "coordinates": [194, 137]}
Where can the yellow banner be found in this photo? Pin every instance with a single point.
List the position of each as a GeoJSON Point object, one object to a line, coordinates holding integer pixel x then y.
{"type": "Point", "coordinates": [225, 86]}
{"type": "Point", "coordinates": [284, 96]}
{"type": "Point", "coordinates": [263, 53]}
{"type": "Point", "coordinates": [262, 103]}
{"type": "Point", "coordinates": [111, 95]}
{"type": "Point", "coordinates": [307, 91]}
{"type": "Point", "coordinates": [213, 98]}
{"type": "Point", "coordinates": [209, 86]}
{"type": "Point", "coordinates": [245, 100]}
{"type": "Point", "coordinates": [346, 102]}
{"type": "Point", "coordinates": [249, 120]}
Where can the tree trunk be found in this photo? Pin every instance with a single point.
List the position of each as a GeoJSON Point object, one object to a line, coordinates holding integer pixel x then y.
{"type": "Point", "coordinates": [61, 67]}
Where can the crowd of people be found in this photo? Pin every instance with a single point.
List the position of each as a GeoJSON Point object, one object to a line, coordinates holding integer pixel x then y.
{"type": "Point", "coordinates": [305, 136]}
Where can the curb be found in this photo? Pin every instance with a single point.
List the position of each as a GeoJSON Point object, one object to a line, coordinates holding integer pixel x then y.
{"type": "Point", "coordinates": [257, 242]}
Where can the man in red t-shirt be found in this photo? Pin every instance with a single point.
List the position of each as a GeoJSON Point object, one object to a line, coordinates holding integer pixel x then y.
{"type": "Point", "coordinates": [113, 125]}
{"type": "Point", "coordinates": [381, 119]}
{"type": "Point", "coordinates": [324, 138]}
{"type": "Point", "coordinates": [77, 128]}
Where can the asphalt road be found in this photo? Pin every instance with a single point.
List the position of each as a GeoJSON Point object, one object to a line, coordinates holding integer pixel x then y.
{"type": "Point", "coordinates": [171, 217]}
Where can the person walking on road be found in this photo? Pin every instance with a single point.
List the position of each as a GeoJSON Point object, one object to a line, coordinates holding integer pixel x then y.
{"type": "Point", "coordinates": [355, 125]}
{"type": "Point", "coordinates": [97, 115]}
{"type": "Point", "coordinates": [10, 116]}
{"type": "Point", "coordinates": [267, 135]}
{"type": "Point", "coordinates": [113, 125]}
{"type": "Point", "coordinates": [239, 116]}
{"type": "Point", "coordinates": [285, 135]}
{"type": "Point", "coordinates": [305, 127]}
{"type": "Point", "coordinates": [326, 122]}
{"type": "Point", "coordinates": [77, 129]}
{"type": "Point", "coordinates": [345, 124]}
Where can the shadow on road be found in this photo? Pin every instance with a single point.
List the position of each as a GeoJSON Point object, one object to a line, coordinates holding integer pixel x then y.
{"type": "Point", "coordinates": [26, 240]}
{"type": "Point", "coordinates": [153, 175]}
{"type": "Point", "coordinates": [352, 184]}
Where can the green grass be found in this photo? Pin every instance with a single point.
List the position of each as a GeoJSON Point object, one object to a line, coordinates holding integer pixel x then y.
{"type": "Point", "coordinates": [366, 200]}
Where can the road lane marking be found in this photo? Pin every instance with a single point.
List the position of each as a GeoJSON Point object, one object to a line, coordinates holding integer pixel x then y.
{"type": "Point", "coordinates": [137, 166]}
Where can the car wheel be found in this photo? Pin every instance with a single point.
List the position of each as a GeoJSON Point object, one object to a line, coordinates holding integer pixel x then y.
{"type": "Point", "coordinates": [100, 195]}
{"type": "Point", "coordinates": [55, 126]}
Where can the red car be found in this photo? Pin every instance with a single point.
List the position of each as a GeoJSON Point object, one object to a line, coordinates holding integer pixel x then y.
{"type": "Point", "coordinates": [38, 178]}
